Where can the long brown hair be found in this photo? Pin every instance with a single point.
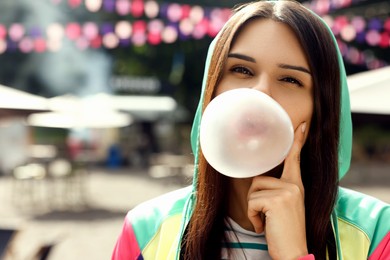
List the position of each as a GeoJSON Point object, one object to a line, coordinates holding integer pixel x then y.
{"type": "Point", "coordinates": [319, 156]}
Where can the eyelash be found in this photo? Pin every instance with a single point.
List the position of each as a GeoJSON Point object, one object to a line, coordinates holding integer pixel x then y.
{"type": "Point", "coordinates": [242, 70]}
{"type": "Point", "coordinates": [247, 72]}
{"type": "Point", "coordinates": [292, 80]}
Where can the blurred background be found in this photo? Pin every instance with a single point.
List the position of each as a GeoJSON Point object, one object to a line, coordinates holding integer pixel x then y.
{"type": "Point", "coordinates": [97, 99]}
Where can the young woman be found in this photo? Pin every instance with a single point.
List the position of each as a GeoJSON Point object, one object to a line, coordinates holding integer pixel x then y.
{"type": "Point", "coordinates": [296, 210]}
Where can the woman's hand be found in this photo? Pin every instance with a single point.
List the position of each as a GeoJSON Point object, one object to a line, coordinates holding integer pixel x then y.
{"type": "Point", "coordinates": [276, 206]}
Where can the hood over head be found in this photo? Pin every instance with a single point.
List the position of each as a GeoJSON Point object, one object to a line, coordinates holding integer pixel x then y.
{"type": "Point", "coordinates": [345, 134]}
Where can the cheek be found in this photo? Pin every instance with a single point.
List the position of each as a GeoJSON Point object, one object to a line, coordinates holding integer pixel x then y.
{"type": "Point", "coordinates": [298, 103]}
{"type": "Point", "coordinates": [300, 113]}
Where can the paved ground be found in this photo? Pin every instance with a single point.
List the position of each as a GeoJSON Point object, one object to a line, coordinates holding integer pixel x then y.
{"type": "Point", "coordinates": [88, 228]}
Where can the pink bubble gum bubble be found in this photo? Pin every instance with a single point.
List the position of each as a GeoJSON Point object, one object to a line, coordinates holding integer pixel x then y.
{"type": "Point", "coordinates": [244, 133]}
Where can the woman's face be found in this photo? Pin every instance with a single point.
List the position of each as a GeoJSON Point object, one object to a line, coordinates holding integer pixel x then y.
{"type": "Point", "coordinates": [268, 57]}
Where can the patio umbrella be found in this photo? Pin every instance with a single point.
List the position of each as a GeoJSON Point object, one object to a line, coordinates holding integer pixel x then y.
{"type": "Point", "coordinates": [75, 112]}
{"type": "Point", "coordinates": [370, 91]}
{"type": "Point", "coordinates": [18, 103]}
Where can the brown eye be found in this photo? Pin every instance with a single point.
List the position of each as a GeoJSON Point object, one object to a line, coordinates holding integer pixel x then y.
{"type": "Point", "coordinates": [241, 70]}
{"type": "Point", "coordinates": [292, 81]}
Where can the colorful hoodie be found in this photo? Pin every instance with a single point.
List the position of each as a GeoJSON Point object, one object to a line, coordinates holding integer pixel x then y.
{"type": "Point", "coordinates": [153, 229]}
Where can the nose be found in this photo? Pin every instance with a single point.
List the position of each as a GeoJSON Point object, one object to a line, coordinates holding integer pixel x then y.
{"type": "Point", "coordinates": [264, 85]}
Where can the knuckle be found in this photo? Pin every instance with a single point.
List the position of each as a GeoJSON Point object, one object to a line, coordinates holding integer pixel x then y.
{"type": "Point", "coordinates": [295, 190]}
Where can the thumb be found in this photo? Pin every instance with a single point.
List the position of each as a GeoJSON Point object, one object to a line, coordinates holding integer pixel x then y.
{"type": "Point", "coordinates": [292, 168]}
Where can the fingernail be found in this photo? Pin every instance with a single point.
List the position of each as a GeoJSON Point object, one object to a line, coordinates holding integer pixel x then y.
{"type": "Point", "coordinates": [303, 127]}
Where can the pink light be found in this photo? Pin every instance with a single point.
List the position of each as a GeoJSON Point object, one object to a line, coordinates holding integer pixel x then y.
{"type": "Point", "coordinates": [155, 26]}
{"type": "Point", "coordinates": [353, 55]}
{"type": "Point", "coordinates": [139, 26]}
{"type": "Point", "coordinates": [154, 38]}
{"type": "Point", "coordinates": [359, 23]}
{"type": "Point", "coordinates": [123, 7]}
{"type": "Point", "coordinates": [90, 30]}
{"type": "Point", "coordinates": [200, 29]}
{"type": "Point", "coordinates": [386, 25]}
{"type": "Point", "coordinates": [74, 3]}
{"type": "Point", "coordinates": [174, 12]}
{"type": "Point", "coordinates": [322, 7]}
{"type": "Point", "coordinates": [139, 38]}
{"type": "Point", "coordinates": [16, 31]}
{"type": "Point", "coordinates": [137, 8]}
{"type": "Point", "coordinates": [26, 45]}
{"type": "Point", "coordinates": [348, 33]}
{"type": "Point", "coordinates": [96, 42]}
{"type": "Point", "coordinates": [373, 37]}
{"type": "Point", "coordinates": [339, 23]}
{"type": "Point", "coordinates": [73, 31]}
{"type": "Point", "coordinates": [185, 11]}
{"type": "Point", "coordinates": [3, 31]}
{"type": "Point", "coordinates": [39, 45]}
{"type": "Point", "coordinates": [385, 40]}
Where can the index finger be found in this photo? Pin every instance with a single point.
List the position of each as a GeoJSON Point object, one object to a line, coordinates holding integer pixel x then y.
{"type": "Point", "coordinates": [292, 168]}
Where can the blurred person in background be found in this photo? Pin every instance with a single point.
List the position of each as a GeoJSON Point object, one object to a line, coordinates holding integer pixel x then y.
{"type": "Point", "coordinates": [296, 210]}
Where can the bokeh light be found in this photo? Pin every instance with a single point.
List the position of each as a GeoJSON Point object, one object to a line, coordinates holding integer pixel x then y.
{"type": "Point", "coordinates": [137, 8]}
{"type": "Point", "coordinates": [169, 34]}
{"type": "Point", "coordinates": [385, 40]}
{"type": "Point", "coordinates": [174, 12]}
{"type": "Point", "coordinates": [196, 14]}
{"type": "Point", "coordinates": [90, 30]}
{"type": "Point", "coordinates": [74, 3]}
{"type": "Point", "coordinates": [151, 9]}
{"type": "Point", "coordinates": [93, 5]}
{"type": "Point", "coordinates": [96, 42]}
{"type": "Point", "coordinates": [123, 29]}
{"type": "Point", "coordinates": [55, 31]}
{"type": "Point", "coordinates": [373, 38]}
{"type": "Point", "coordinates": [358, 23]}
{"type": "Point", "coordinates": [16, 31]}
{"type": "Point", "coordinates": [110, 40]}
{"type": "Point", "coordinates": [348, 33]}
{"type": "Point", "coordinates": [26, 45]}
{"type": "Point", "coordinates": [73, 31]}
{"type": "Point", "coordinates": [39, 45]}
{"type": "Point", "coordinates": [186, 26]}
{"type": "Point", "coordinates": [155, 26]}
{"type": "Point", "coordinates": [3, 31]}
{"type": "Point", "coordinates": [139, 38]}
{"type": "Point", "coordinates": [154, 38]}
{"type": "Point", "coordinates": [123, 7]}
{"type": "Point", "coordinates": [200, 29]}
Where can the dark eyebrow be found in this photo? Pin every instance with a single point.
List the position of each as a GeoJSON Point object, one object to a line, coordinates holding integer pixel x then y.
{"type": "Point", "coordinates": [292, 67]}
{"type": "Point", "coordinates": [241, 57]}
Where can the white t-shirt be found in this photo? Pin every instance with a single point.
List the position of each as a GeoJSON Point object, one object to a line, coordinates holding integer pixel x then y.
{"type": "Point", "coordinates": [243, 244]}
